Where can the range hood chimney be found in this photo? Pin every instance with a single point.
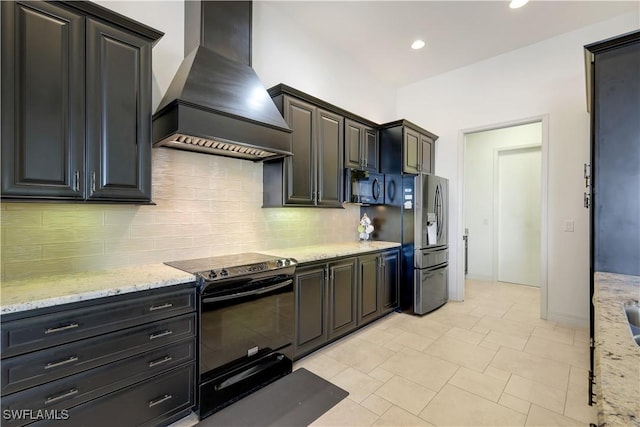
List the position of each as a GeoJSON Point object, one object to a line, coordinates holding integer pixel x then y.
{"type": "Point", "coordinates": [216, 103]}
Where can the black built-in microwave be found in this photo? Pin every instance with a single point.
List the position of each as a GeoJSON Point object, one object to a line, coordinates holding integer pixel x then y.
{"type": "Point", "coordinates": [364, 187]}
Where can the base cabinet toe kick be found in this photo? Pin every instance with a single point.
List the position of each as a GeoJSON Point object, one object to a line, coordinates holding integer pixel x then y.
{"type": "Point", "coordinates": [126, 360]}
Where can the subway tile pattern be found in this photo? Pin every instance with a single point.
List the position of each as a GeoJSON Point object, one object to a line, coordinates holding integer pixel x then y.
{"type": "Point", "coordinates": [205, 206]}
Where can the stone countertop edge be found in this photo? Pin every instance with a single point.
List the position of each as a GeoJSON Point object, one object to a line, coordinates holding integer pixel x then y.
{"type": "Point", "coordinates": [617, 367]}
{"type": "Point", "coordinates": [311, 253]}
{"type": "Point", "coordinates": [39, 292]}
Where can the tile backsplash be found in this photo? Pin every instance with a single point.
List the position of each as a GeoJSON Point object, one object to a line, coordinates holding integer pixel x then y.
{"type": "Point", "coordinates": [205, 206]}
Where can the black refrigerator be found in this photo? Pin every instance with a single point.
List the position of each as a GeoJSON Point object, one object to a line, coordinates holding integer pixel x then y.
{"type": "Point", "coordinates": [415, 214]}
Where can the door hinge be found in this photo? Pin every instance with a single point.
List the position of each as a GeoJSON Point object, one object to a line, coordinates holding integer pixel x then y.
{"type": "Point", "coordinates": [587, 175]}
{"type": "Point", "coordinates": [76, 181]}
{"type": "Point", "coordinates": [587, 200]}
{"type": "Point", "coordinates": [93, 182]}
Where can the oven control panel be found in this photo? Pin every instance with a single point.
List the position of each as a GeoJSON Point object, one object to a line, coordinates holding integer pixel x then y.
{"type": "Point", "coordinates": [246, 270]}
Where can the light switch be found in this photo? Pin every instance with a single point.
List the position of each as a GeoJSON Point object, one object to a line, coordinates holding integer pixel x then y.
{"type": "Point", "coordinates": [568, 226]}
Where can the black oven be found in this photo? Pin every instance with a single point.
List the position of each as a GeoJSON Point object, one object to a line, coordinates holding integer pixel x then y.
{"type": "Point", "coordinates": [246, 326]}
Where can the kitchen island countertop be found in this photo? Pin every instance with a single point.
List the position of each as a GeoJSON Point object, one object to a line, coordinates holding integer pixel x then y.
{"type": "Point", "coordinates": [39, 292]}
{"type": "Point", "coordinates": [617, 364]}
{"type": "Point", "coordinates": [311, 253]}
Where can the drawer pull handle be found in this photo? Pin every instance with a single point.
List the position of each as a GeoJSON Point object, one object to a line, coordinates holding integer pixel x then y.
{"type": "Point", "coordinates": [160, 334]}
{"type": "Point", "coordinates": [61, 362]}
{"type": "Point", "coordinates": [54, 399]}
{"type": "Point", "coordinates": [160, 361]}
{"type": "Point", "coordinates": [160, 307]}
{"type": "Point", "coordinates": [61, 328]}
{"type": "Point", "coordinates": [158, 401]}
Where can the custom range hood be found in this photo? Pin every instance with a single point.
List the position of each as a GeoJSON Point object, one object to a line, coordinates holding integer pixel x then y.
{"type": "Point", "coordinates": [216, 103]}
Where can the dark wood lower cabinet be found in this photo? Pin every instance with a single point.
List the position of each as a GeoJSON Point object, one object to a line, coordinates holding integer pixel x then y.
{"type": "Point", "coordinates": [311, 312]}
{"type": "Point", "coordinates": [154, 402]}
{"type": "Point", "coordinates": [342, 297]}
{"type": "Point", "coordinates": [336, 297]}
{"type": "Point", "coordinates": [134, 368]}
{"type": "Point", "coordinates": [390, 281]}
{"type": "Point", "coordinates": [379, 281]}
{"type": "Point", "coordinates": [368, 307]}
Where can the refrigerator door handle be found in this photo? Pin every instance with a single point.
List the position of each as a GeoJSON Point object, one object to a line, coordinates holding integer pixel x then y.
{"type": "Point", "coordinates": [435, 267]}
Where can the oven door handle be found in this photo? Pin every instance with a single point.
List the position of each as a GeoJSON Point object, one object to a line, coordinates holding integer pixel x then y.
{"type": "Point", "coordinates": [249, 293]}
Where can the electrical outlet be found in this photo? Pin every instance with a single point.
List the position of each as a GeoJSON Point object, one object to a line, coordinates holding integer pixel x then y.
{"type": "Point", "coordinates": [568, 226]}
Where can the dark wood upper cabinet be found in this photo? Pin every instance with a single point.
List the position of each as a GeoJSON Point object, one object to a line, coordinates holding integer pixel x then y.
{"type": "Point", "coordinates": [313, 176]}
{"type": "Point", "coordinates": [77, 123]}
{"type": "Point", "coordinates": [300, 169]}
{"type": "Point", "coordinates": [412, 151]}
{"type": "Point", "coordinates": [406, 148]}
{"type": "Point", "coordinates": [427, 150]}
{"type": "Point", "coordinates": [42, 101]}
{"type": "Point", "coordinates": [330, 173]}
{"type": "Point", "coordinates": [326, 139]}
{"type": "Point", "coordinates": [360, 146]}
{"type": "Point", "coordinates": [118, 113]}
{"type": "Point", "coordinates": [417, 152]}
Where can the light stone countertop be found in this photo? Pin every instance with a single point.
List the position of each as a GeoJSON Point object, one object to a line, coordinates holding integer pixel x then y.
{"type": "Point", "coordinates": [33, 293]}
{"type": "Point", "coordinates": [306, 254]}
{"type": "Point", "coordinates": [617, 357]}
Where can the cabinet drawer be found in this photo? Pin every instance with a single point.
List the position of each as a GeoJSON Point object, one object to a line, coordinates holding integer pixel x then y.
{"type": "Point", "coordinates": [21, 372]}
{"type": "Point", "coordinates": [72, 391]}
{"type": "Point", "coordinates": [38, 332]}
{"type": "Point", "coordinates": [146, 404]}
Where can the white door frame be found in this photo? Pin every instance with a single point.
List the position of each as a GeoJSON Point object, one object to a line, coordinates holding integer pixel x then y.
{"type": "Point", "coordinates": [544, 119]}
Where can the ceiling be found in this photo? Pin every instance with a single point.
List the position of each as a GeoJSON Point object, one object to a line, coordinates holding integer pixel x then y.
{"type": "Point", "coordinates": [378, 34]}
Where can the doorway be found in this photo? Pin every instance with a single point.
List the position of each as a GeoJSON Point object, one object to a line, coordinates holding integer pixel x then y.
{"type": "Point", "coordinates": [517, 216]}
{"type": "Point", "coordinates": [504, 204]}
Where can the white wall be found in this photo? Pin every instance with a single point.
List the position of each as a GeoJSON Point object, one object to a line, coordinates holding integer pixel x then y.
{"type": "Point", "coordinates": [546, 78]}
{"type": "Point", "coordinates": [480, 150]}
{"type": "Point", "coordinates": [285, 52]}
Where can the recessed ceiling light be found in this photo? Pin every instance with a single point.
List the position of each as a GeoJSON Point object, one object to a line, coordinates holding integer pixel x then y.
{"type": "Point", "coordinates": [517, 3]}
{"type": "Point", "coordinates": [418, 44]}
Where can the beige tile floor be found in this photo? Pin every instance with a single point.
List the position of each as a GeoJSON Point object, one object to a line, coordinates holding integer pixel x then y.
{"type": "Point", "coordinates": [487, 361]}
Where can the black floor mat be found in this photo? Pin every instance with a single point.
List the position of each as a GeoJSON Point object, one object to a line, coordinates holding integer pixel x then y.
{"type": "Point", "coordinates": [293, 401]}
